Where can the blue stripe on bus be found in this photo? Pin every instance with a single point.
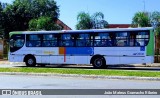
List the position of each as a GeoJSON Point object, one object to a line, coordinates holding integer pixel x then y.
{"type": "Point", "coordinates": [80, 50]}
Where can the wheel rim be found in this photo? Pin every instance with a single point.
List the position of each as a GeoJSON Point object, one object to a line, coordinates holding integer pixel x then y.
{"type": "Point", "coordinates": [98, 62]}
{"type": "Point", "coordinates": [30, 61]}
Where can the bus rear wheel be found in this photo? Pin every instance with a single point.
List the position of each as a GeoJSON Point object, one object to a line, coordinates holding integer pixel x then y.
{"type": "Point", "coordinates": [99, 62]}
{"type": "Point", "coordinates": [30, 62]}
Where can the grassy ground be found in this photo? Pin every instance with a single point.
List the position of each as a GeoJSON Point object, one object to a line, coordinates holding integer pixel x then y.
{"type": "Point", "coordinates": [105, 72]}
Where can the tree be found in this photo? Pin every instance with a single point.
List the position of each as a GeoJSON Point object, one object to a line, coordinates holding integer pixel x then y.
{"type": "Point", "coordinates": [141, 19]}
{"type": "Point", "coordinates": [1, 7]}
{"type": "Point", "coordinates": [33, 25]}
{"type": "Point", "coordinates": [1, 21]}
{"type": "Point", "coordinates": [18, 14]}
{"type": "Point", "coordinates": [45, 8]}
{"type": "Point", "coordinates": [86, 21]}
{"type": "Point", "coordinates": [43, 23]}
{"type": "Point", "coordinates": [157, 30]}
{"type": "Point", "coordinates": [155, 19]}
{"type": "Point", "coordinates": [98, 20]}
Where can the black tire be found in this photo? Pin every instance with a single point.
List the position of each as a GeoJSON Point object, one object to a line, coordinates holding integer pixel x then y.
{"type": "Point", "coordinates": [99, 62]}
{"type": "Point", "coordinates": [30, 61]}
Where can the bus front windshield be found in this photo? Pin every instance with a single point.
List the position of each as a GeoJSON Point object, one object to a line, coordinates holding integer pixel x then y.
{"type": "Point", "coordinates": [16, 42]}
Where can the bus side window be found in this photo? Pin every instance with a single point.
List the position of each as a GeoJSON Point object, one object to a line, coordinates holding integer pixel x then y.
{"type": "Point", "coordinates": [113, 38]}
{"type": "Point", "coordinates": [53, 43]}
{"type": "Point", "coordinates": [142, 38]}
{"type": "Point", "coordinates": [33, 40]}
{"type": "Point", "coordinates": [80, 43]}
{"type": "Point", "coordinates": [82, 40]}
{"type": "Point", "coordinates": [29, 44]}
{"type": "Point", "coordinates": [46, 43]}
{"type": "Point", "coordinates": [67, 40]}
{"type": "Point", "coordinates": [109, 43]}
{"type": "Point", "coordinates": [137, 43]}
{"type": "Point", "coordinates": [104, 42]}
{"type": "Point", "coordinates": [122, 39]}
{"type": "Point", "coordinates": [38, 44]}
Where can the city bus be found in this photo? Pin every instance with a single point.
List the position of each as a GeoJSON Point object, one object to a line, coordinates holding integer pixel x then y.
{"type": "Point", "coordinates": [99, 47]}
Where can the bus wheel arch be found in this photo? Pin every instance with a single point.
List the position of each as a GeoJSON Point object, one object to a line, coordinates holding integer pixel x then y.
{"type": "Point", "coordinates": [30, 60]}
{"type": "Point", "coordinates": [98, 61]}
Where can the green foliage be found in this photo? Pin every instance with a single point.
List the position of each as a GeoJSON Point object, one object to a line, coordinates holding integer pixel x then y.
{"type": "Point", "coordinates": [18, 14]}
{"type": "Point", "coordinates": [33, 25]}
{"type": "Point", "coordinates": [98, 21]}
{"type": "Point", "coordinates": [141, 19]}
{"type": "Point", "coordinates": [157, 30]}
{"type": "Point", "coordinates": [155, 19]}
{"type": "Point", "coordinates": [83, 72]}
{"type": "Point", "coordinates": [1, 7]}
{"type": "Point", "coordinates": [1, 21]}
{"type": "Point", "coordinates": [45, 8]}
{"type": "Point", "coordinates": [43, 23]}
{"type": "Point", "coordinates": [86, 21]}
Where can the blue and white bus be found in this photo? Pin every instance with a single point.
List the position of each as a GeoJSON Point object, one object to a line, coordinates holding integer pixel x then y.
{"type": "Point", "coordinates": [99, 47]}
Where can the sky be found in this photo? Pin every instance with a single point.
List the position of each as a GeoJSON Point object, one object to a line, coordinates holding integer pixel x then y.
{"type": "Point", "coordinates": [115, 11]}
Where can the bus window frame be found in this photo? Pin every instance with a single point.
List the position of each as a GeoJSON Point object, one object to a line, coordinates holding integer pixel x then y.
{"type": "Point", "coordinates": [51, 41]}
{"type": "Point", "coordinates": [91, 40]}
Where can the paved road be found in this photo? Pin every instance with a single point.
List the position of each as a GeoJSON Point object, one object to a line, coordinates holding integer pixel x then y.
{"type": "Point", "coordinates": [41, 82]}
{"type": "Point", "coordinates": [35, 82]}
{"type": "Point", "coordinates": [155, 67]}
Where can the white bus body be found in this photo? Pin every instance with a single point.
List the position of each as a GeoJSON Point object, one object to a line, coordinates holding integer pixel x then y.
{"type": "Point", "coordinates": [74, 53]}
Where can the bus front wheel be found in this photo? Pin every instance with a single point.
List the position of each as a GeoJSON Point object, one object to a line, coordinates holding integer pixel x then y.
{"type": "Point", "coordinates": [99, 62]}
{"type": "Point", "coordinates": [30, 61]}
